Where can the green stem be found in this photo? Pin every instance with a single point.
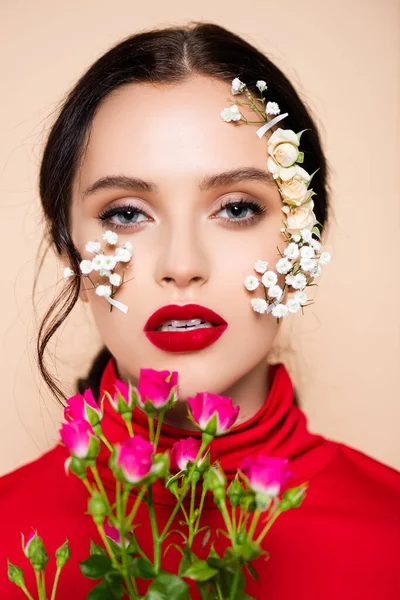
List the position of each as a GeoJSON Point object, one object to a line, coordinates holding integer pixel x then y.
{"type": "Point", "coordinates": [122, 500]}
{"type": "Point", "coordinates": [268, 525]}
{"type": "Point", "coordinates": [135, 507]}
{"type": "Point", "coordinates": [158, 430]}
{"type": "Point", "coordinates": [232, 595]}
{"type": "Point", "coordinates": [254, 522]}
{"type": "Point", "coordinates": [228, 522]}
{"type": "Point", "coordinates": [108, 547]}
{"type": "Point", "coordinates": [191, 514]}
{"type": "Point", "coordinates": [220, 597]}
{"type": "Point", "coordinates": [157, 539]}
{"type": "Point", "coordinates": [27, 594]}
{"type": "Point", "coordinates": [203, 495]}
{"type": "Point", "coordinates": [53, 591]}
{"type": "Point", "coordinates": [39, 583]}
{"type": "Point", "coordinates": [100, 486]}
{"type": "Point", "coordinates": [151, 429]}
{"type": "Point", "coordinates": [234, 523]}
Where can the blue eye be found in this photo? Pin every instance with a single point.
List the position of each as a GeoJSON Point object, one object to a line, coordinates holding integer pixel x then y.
{"type": "Point", "coordinates": [130, 215]}
{"type": "Point", "coordinates": [244, 211]}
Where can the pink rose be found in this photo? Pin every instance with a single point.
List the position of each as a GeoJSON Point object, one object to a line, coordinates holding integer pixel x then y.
{"type": "Point", "coordinates": [113, 534]}
{"type": "Point", "coordinates": [213, 414]}
{"type": "Point", "coordinates": [84, 408]}
{"type": "Point", "coordinates": [266, 475]}
{"type": "Point", "coordinates": [184, 451]}
{"type": "Point", "coordinates": [134, 458]}
{"type": "Point", "coordinates": [154, 387]}
{"type": "Point", "coordinates": [78, 436]}
{"type": "Point", "coordinates": [122, 401]}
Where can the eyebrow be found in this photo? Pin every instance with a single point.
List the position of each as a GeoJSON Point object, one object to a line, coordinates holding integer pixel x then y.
{"type": "Point", "coordinates": [207, 182]}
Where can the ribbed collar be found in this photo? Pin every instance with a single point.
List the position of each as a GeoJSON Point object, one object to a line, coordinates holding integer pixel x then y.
{"type": "Point", "coordinates": [278, 429]}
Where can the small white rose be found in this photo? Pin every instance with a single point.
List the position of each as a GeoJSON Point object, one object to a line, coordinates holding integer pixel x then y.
{"type": "Point", "coordinates": [103, 290]}
{"type": "Point", "coordinates": [294, 191]}
{"type": "Point", "coordinates": [115, 279]}
{"type": "Point", "coordinates": [301, 217]}
{"type": "Point", "coordinates": [110, 236]}
{"type": "Point", "coordinates": [251, 282]}
{"type": "Point", "coordinates": [237, 86]}
{"type": "Point", "coordinates": [68, 272]}
{"type": "Point", "coordinates": [260, 266]}
{"type": "Point", "coordinates": [86, 266]}
{"type": "Point", "coordinates": [269, 278]}
{"type": "Point", "coordinates": [259, 305]}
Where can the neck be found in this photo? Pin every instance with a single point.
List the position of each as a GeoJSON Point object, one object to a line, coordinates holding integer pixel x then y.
{"type": "Point", "coordinates": [249, 393]}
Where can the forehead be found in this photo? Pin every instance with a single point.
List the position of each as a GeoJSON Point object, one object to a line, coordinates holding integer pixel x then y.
{"type": "Point", "coordinates": [170, 130]}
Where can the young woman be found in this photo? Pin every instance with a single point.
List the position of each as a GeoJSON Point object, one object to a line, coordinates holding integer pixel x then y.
{"type": "Point", "coordinates": [139, 148]}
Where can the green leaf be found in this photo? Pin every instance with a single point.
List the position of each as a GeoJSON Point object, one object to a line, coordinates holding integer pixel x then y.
{"type": "Point", "coordinates": [252, 571]}
{"type": "Point", "coordinates": [96, 566]}
{"type": "Point", "coordinates": [186, 560]}
{"type": "Point", "coordinates": [167, 586]}
{"type": "Point", "coordinates": [103, 591]}
{"type": "Point", "coordinates": [200, 571]}
{"type": "Point", "coordinates": [141, 567]}
{"type": "Point", "coordinates": [97, 550]}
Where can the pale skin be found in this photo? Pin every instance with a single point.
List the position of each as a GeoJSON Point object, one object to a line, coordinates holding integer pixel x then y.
{"type": "Point", "coordinates": [186, 247]}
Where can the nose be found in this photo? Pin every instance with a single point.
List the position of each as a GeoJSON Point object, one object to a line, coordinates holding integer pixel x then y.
{"type": "Point", "coordinates": [182, 259]}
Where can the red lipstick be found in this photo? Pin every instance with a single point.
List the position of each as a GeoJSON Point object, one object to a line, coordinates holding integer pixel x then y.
{"type": "Point", "coordinates": [189, 340]}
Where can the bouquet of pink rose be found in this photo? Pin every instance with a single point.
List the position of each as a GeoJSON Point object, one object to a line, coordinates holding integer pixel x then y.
{"type": "Point", "coordinates": [121, 564]}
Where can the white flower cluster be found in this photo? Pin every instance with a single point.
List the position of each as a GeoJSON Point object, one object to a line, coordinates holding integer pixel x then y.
{"type": "Point", "coordinates": [302, 258]}
{"type": "Point", "coordinates": [104, 264]}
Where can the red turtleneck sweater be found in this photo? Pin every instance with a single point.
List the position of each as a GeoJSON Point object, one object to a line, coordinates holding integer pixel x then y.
{"type": "Point", "coordinates": [341, 543]}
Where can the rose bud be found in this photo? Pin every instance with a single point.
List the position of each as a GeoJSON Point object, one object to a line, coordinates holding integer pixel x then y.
{"type": "Point", "coordinates": [265, 475]}
{"type": "Point", "coordinates": [124, 398]}
{"type": "Point", "coordinates": [79, 438]}
{"type": "Point", "coordinates": [133, 459]}
{"type": "Point", "coordinates": [36, 552]}
{"type": "Point", "coordinates": [185, 451]}
{"type": "Point", "coordinates": [97, 507]}
{"type": "Point", "coordinates": [15, 574]}
{"type": "Point", "coordinates": [63, 554]}
{"type": "Point", "coordinates": [214, 415]}
{"type": "Point", "coordinates": [158, 388]}
{"type": "Point", "coordinates": [84, 408]}
{"type": "Point", "coordinates": [114, 535]}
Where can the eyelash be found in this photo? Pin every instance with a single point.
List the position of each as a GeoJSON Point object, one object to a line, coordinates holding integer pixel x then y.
{"type": "Point", "coordinates": [259, 211]}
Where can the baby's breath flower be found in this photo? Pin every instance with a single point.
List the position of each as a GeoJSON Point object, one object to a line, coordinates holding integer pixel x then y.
{"type": "Point", "coordinates": [97, 262]}
{"type": "Point", "coordinates": [68, 272]}
{"type": "Point", "coordinates": [122, 255]}
{"type": "Point", "coordinates": [103, 290]}
{"type": "Point", "coordinates": [262, 86]}
{"type": "Point", "coordinates": [105, 272]}
{"type": "Point", "coordinates": [301, 297]}
{"type": "Point", "coordinates": [115, 279]}
{"type": "Point", "coordinates": [280, 310]}
{"type": "Point", "coordinates": [272, 108]}
{"type": "Point", "coordinates": [307, 264]}
{"type": "Point", "coordinates": [269, 278]}
{"type": "Point", "coordinates": [232, 113]}
{"type": "Point", "coordinates": [325, 258]}
{"type": "Point", "coordinates": [299, 281]}
{"type": "Point", "coordinates": [86, 266]}
{"type": "Point", "coordinates": [315, 244]}
{"type": "Point", "coordinates": [251, 282]}
{"type": "Point", "coordinates": [306, 234]}
{"type": "Point", "coordinates": [316, 272]}
{"type": "Point", "coordinates": [282, 230]}
{"type": "Point", "coordinates": [92, 246]}
{"type": "Point", "coordinates": [275, 291]}
{"type": "Point", "coordinates": [296, 237]}
{"type": "Point", "coordinates": [237, 86]}
{"type": "Point", "coordinates": [259, 305]}
{"type": "Point", "coordinates": [307, 252]}
{"type": "Point", "coordinates": [289, 279]}
{"type": "Point", "coordinates": [109, 262]}
{"type": "Point", "coordinates": [283, 265]}
{"type": "Point", "coordinates": [293, 305]}
{"type": "Point", "coordinates": [260, 266]}
{"type": "Point", "coordinates": [110, 236]}
{"type": "Point", "coordinates": [127, 246]}
{"type": "Point", "coordinates": [291, 251]}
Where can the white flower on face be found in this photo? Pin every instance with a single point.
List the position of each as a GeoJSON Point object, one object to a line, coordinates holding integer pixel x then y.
{"type": "Point", "coordinates": [283, 265]}
{"type": "Point", "coordinates": [299, 281]}
{"type": "Point", "coordinates": [122, 255]}
{"type": "Point", "coordinates": [306, 234]}
{"type": "Point", "coordinates": [280, 311]}
{"type": "Point", "coordinates": [109, 262]}
{"type": "Point", "coordinates": [325, 258]}
{"type": "Point", "coordinates": [262, 86]}
{"type": "Point", "coordinates": [68, 272]}
{"type": "Point", "coordinates": [92, 246]}
{"type": "Point", "coordinates": [316, 272]}
{"type": "Point", "coordinates": [286, 173]}
{"type": "Point", "coordinates": [110, 236]}
{"type": "Point", "coordinates": [307, 252]}
{"type": "Point", "coordinates": [259, 305]}
{"type": "Point", "coordinates": [260, 266]}
{"type": "Point", "coordinates": [115, 279]}
{"type": "Point", "coordinates": [300, 218]}
{"type": "Point", "coordinates": [232, 113]}
{"type": "Point", "coordinates": [103, 290]}
{"type": "Point", "coordinates": [294, 192]}
{"type": "Point", "coordinates": [296, 237]}
{"type": "Point", "coordinates": [104, 272]}
{"type": "Point", "coordinates": [291, 251]}
{"type": "Point", "coordinates": [127, 246]}
{"type": "Point", "coordinates": [269, 278]}
{"type": "Point", "coordinates": [237, 86]}
{"type": "Point", "coordinates": [307, 264]}
{"type": "Point", "coordinates": [275, 291]}
{"type": "Point", "coordinates": [86, 266]}
{"type": "Point", "coordinates": [293, 305]}
{"type": "Point", "coordinates": [315, 244]}
{"type": "Point", "coordinates": [97, 262]}
{"type": "Point", "coordinates": [301, 297]}
{"type": "Point", "coordinates": [272, 108]}
{"type": "Point", "coordinates": [251, 282]}
{"type": "Point", "coordinates": [289, 279]}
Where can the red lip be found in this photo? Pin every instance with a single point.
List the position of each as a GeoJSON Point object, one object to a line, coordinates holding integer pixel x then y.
{"type": "Point", "coordinates": [176, 341]}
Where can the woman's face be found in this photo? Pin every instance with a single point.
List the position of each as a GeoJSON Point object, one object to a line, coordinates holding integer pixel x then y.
{"type": "Point", "coordinates": [188, 246]}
